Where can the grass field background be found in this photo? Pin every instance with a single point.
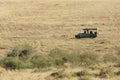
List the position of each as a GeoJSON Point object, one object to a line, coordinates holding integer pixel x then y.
{"type": "Point", "coordinates": [49, 24]}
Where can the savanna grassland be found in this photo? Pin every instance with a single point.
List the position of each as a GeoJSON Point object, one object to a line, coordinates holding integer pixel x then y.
{"type": "Point", "coordinates": [51, 24]}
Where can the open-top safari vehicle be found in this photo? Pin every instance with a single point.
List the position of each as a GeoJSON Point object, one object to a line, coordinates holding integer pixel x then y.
{"type": "Point", "coordinates": [88, 33]}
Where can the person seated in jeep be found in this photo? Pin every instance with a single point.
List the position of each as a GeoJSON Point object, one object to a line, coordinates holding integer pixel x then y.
{"type": "Point", "coordinates": [85, 32]}
{"type": "Point", "coordinates": [91, 32]}
{"type": "Point", "coordinates": [95, 32]}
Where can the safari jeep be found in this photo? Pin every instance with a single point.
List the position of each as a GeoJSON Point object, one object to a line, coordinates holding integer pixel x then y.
{"type": "Point", "coordinates": [88, 33]}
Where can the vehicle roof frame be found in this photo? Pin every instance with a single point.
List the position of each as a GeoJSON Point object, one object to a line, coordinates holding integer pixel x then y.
{"type": "Point", "coordinates": [90, 29]}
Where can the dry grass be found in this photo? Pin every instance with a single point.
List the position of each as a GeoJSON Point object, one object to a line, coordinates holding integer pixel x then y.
{"type": "Point", "coordinates": [49, 24]}
{"type": "Point", "coordinates": [67, 74]}
{"type": "Point", "coordinates": [43, 23]}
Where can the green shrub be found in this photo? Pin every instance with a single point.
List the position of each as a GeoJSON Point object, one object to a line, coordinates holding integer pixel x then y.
{"type": "Point", "coordinates": [12, 63]}
{"type": "Point", "coordinates": [23, 52]}
{"type": "Point", "coordinates": [14, 53]}
{"type": "Point", "coordinates": [74, 58]}
{"type": "Point", "coordinates": [88, 59]}
{"type": "Point", "coordinates": [85, 59]}
{"type": "Point", "coordinates": [18, 58]}
{"type": "Point", "coordinates": [59, 62]}
{"type": "Point", "coordinates": [22, 57]}
{"type": "Point", "coordinates": [58, 57]}
{"type": "Point", "coordinates": [110, 58]}
{"type": "Point", "coordinates": [57, 53]}
{"type": "Point", "coordinates": [41, 61]}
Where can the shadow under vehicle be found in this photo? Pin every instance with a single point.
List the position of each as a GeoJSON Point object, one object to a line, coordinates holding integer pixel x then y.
{"type": "Point", "coordinates": [88, 33]}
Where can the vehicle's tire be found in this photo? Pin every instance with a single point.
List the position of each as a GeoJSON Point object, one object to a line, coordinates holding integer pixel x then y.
{"type": "Point", "coordinates": [77, 37]}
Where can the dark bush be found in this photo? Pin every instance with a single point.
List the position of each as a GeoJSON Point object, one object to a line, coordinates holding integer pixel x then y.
{"type": "Point", "coordinates": [18, 58]}
{"type": "Point", "coordinates": [118, 73]}
{"type": "Point", "coordinates": [59, 74]}
{"type": "Point", "coordinates": [12, 63]}
{"type": "Point", "coordinates": [14, 53]}
{"type": "Point", "coordinates": [106, 73]}
{"type": "Point", "coordinates": [82, 73]}
{"type": "Point", "coordinates": [23, 52]}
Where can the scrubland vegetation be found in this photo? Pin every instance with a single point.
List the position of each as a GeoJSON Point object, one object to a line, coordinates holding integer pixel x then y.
{"type": "Point", "coordinates": [24, 57]}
